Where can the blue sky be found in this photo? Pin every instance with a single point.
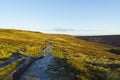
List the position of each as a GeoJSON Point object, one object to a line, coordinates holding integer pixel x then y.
{"type": "Point", "coordinates": [76, 17]}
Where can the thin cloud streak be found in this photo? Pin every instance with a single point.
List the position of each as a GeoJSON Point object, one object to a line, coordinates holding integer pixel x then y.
{"type": "Point", "coordinates": [64, 30]}
{"type": "Point", "coordinates": [74, 30]}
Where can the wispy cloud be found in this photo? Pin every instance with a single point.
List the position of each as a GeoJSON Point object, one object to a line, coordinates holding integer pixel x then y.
{"type": "Point", "coordinates": [74, 30]}
{"type": "Point", "coordinates": [64, 30]}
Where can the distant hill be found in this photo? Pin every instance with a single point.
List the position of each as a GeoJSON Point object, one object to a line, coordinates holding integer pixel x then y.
{"type": "Point", "coordinates": [107, 39]}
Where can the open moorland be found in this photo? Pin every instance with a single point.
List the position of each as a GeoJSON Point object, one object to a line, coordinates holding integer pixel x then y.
{"type": "Point", "coordinates": [76, 58]}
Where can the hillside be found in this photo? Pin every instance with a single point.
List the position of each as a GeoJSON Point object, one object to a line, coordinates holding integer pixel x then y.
{"type": "Point", "coordinates": [106, 39]}
{"type": "Point", "coordinates": [82, 60]}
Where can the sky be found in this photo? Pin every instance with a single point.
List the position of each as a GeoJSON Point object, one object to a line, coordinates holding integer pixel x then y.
{"type": "Point", "coordinates": [74, 17]}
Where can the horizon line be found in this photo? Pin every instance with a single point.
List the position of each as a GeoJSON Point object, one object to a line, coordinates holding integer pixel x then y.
{"type": "Point", "coordinates": [61, 33]}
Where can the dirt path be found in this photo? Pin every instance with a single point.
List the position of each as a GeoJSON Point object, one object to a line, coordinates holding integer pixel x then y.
{"type": "Point", "coordinates": [37, 70]}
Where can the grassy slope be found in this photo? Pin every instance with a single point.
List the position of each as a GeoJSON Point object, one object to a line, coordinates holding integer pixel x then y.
{"type": "Point", "coordinates": [17, 39]}
{"type": "Point", "coordinates": [85, 57]}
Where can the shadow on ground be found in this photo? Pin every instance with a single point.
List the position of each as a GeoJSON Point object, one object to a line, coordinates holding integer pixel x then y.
{"type": "Point", "coordinates": [104, 71]}
{"type": "Point", "coordinates": [60, 69]}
